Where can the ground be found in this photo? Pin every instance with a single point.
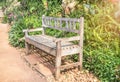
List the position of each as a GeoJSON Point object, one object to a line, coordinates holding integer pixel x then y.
{"type": "Point", "coordinates": [12, 67]}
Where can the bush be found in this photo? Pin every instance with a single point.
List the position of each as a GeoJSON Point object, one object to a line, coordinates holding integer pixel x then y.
{"type": "Point", "coordinates": [16, 33]}
{"type": "Point", "coordinates": [101, 41]}
{"type": "Point", "coordinates": [103, 64]}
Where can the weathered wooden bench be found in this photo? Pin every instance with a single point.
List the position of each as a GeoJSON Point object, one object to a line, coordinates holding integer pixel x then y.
{"type": "Point", "coordinates": [58, 47]}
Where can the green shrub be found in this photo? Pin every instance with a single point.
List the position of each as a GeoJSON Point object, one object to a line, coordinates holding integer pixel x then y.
{"type": "Point", "coordinates": [103, 64]}
{"type": "Point", "coordinates": [16, 33]}
{"type": "Point", "coordinates": [101, 41]}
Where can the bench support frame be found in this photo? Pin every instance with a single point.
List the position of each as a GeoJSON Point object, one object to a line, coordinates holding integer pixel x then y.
{"type": "Point", "coordinates": [70, 22]}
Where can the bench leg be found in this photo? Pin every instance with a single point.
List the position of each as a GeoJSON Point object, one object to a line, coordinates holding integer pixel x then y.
{"type": "Point", "coordinates": [58, 60]}
{"type": "Point", "coordinates": [58, 64]}
{"type": "Point", "coordinates": [80, 61]}
{"type": "Point", "coordinates": [27, 46]}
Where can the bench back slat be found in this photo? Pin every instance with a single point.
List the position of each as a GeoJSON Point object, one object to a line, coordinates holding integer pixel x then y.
{"type": "Point", "coordinates": [65, 24]}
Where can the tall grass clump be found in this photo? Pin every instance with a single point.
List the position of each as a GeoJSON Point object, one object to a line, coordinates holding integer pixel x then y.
{"type": "Point", "coordinates": [101, 41]}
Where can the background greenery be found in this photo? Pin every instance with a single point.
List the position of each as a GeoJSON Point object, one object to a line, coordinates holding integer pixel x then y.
{"type": "Point", "coordinates": [101, 37]}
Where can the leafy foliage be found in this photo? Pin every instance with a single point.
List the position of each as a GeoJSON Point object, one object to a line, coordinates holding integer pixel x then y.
{"type": "Point", "coordinates": [16, 33]}
{"type": "Point", "coordinates": [102, 42]}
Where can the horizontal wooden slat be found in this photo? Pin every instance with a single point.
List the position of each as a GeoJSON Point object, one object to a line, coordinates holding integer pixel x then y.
{"type": "Point", "coordinates": [67, 39]}
{"type": "Point", "coordinates": [70, 50]}
{"type": "Point", "coordinates": [69, 65]}
{"type": "Point", "coordinates": [32, 30]}
{"type": "Point", "coordinates": [59, 28]}
{"type": "Point", "coordinates": [63, 19]}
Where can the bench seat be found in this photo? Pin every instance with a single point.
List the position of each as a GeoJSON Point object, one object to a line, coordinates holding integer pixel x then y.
{"type": "Point", "coordinates": [47, 44]}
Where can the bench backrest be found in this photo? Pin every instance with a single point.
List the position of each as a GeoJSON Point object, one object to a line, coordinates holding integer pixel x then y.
{"type": "Point", "coordinates": [65, 24]}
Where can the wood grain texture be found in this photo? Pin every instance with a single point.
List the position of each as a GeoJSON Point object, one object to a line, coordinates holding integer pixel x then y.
{"type": "Point", "coordinates": [47, 44]}
{"type": "Point", "coordinates": [65, 24]}
{"type": "Point", "coordinates": [81, 42]}
{"type": "Point", "coordinates": [58, 59]}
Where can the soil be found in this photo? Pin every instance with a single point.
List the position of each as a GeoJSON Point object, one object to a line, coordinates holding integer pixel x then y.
{"type": "Point", "coordinates": [12, 67]}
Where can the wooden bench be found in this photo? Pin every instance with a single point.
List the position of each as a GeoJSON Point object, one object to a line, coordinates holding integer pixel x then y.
{"type": "Point", "coordinates": [58, 47]}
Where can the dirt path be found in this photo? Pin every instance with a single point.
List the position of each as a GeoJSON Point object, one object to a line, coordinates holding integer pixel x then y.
{"type": "Point", "coordinates": [12, 67]}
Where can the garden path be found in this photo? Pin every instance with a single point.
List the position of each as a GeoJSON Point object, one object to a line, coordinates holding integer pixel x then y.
{"type": "Point", "coordinates": [12, 67]}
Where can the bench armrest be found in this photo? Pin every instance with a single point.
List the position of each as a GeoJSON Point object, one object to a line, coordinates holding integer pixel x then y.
{"type": "Point", "coordinates": [32, 30]}
{"type": "Point", "coordinates": [67, 39]}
